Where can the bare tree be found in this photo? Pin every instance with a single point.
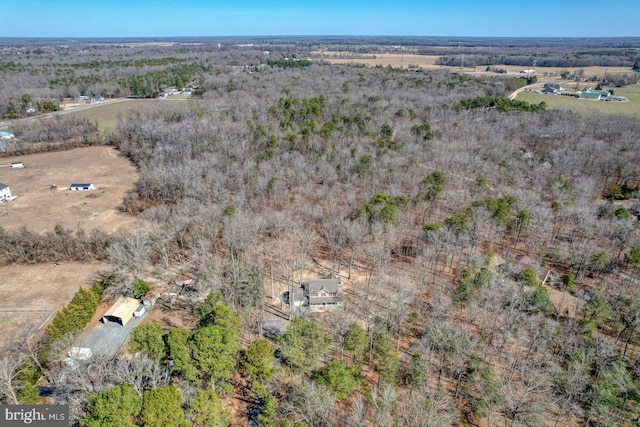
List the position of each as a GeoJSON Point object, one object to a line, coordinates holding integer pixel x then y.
{"type": "Point", "coordinates": [9, 364]}
{"type": "Point", "coordinates": [310, 403]}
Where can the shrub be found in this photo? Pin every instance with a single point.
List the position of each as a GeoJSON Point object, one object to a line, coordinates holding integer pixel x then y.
{"type": "Point", "coordinates": [140, 288]}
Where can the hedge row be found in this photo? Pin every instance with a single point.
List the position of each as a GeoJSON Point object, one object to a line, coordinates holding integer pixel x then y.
{"type": "Point", "coordinates": [74, 317]}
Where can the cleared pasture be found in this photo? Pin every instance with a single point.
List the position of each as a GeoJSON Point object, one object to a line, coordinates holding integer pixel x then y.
{"type": "Point", "coordinates": [630, 107]}
{"type": "Point", "coordinates": [31, 294]}
{"type": "Point", "coordinates": [405, 60]}
{"type": "Point", "coordinates": [39, 207]}
{"type": "Point", "coordinates": [106, 115]}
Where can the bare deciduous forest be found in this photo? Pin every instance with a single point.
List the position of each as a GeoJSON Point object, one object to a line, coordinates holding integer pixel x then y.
{"type": "Point", "coordinates": [489, 249]}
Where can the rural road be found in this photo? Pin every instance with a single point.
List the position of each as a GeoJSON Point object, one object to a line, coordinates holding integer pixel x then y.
{"type": "Point", "coordinates": [5, 125]}
{"type": "Point", "coordinates": [522, 89]}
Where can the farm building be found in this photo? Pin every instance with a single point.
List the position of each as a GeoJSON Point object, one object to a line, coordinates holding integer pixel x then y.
{"type": "Point", "coordinates": [122, 311]}
{"type": "Point", "coordinates": [81, 187]}
{"type": "Point", "coordinates": [594, 94]}
{"type": "Point", "coordinates": [5, 193]}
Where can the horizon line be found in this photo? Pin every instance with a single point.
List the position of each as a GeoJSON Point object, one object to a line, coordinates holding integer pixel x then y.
{"type": "Point", "coordinates": [314, 36]}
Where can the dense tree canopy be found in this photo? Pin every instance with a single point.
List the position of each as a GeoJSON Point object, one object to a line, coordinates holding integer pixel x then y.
{"type": "Point", "coordinates": [418, 188]}
{"type": "Point", "coordinates": [115, 407]}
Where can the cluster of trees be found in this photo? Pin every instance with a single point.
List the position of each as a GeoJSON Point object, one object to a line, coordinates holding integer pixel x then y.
{"type": "Point", "coordinates": [502, 104]}
{"type": "Point", "coordinates": [486, 193]}
{"type": "Point", "coordinates": [150, 84]}
{"type": "Point", "coordinates": [288, 63]}
{"type": "Point", "coordinates": [413, 185]}
{"type": "Point", "coordinates": [69, 321]}
{"type": "Point", "coordinates": [27, 247]}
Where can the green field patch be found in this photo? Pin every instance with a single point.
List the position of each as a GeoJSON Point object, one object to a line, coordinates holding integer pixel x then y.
{"type": "Point", "coordinates": [107, 115]}
{"type": "Point", "coordinates": [558, 102]}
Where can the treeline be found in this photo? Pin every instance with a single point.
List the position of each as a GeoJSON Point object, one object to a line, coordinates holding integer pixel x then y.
{"type": "Point", "coordinates": [72, 319]}
{"type": "Point", "coordinates": [149, 85]}
{"type": "Point", "coordinates": [502, 104]}
{"type": "Point", "coordinates": [27, 247]}
{"type": "Point", "coordinates": [558, 58]}
{"type": "Point", "coordinates": [60, 133]}
{"type": "Point", "coordinates": [289, 63]}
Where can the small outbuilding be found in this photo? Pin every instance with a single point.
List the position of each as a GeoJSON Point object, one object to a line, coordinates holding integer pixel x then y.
{"type": "Point", "coordinates": [139, 312]}
{"type": "Point", "coordinates": [82, 187]}
{"type": "Point", "coordinates": [122, 311]}
{"type": "Point", "coordinates": [5, 193]}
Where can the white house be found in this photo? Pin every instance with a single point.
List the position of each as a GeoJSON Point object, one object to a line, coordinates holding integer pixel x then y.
{"type": "Point", "coordinates": [81, 187]}
{"type": "Point", "coordinates": [5, 193]}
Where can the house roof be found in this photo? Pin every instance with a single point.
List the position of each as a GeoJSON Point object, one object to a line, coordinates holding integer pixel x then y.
{"type": "Point", "coordinates": [330, 285]}
{"type": "Point", "coordinates": [3, 186]}
{"type": "Point", "coordinates": [81, 185]}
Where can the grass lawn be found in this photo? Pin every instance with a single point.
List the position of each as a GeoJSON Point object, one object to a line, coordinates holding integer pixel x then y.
{"type": "Point", "coordinates": [557, 102]}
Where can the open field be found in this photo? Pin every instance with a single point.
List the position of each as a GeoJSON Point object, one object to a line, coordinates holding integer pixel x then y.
{"type": "Point", "coordinates": [429, 61]}
{"type": "Point", "coordinates": [394, 59]}
{"type": "Point", "coordinates": [631, 108]}
{"type": "Point", "coordinates": [106, 115]}
{"type": "Point", "coordinates": [31, 294]}
{"type": "Point", "coordinates": [38, 208]}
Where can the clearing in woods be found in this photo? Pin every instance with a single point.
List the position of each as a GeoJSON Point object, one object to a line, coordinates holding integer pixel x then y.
{"type": "Point", "coordinates": [106, 115]}
{"type": "Point", "coordinates": [39, 207]}
{"type": "Point", "coordinates": [558, 102]}
{"type": "Point", "coordinates": [31, 294]}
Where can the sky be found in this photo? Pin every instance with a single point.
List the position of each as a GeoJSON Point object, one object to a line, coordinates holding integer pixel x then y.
{"type": "Point", "coordinates": [197, 18]}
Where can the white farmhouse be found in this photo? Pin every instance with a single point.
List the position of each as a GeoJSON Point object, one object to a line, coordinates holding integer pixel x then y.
{"type": "Point", "coordinates": [5, 193]}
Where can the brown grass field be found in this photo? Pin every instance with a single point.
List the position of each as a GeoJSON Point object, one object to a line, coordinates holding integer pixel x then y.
{"type": "Point", "coordinates": [45, 288]}
{"type": "Point", "coordinates": [32, 293]}
{"type": "Point", "coordinates": [398, 60]}
{"type": "Point", "coordinates": [38, 208]}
